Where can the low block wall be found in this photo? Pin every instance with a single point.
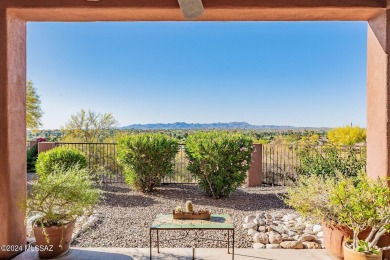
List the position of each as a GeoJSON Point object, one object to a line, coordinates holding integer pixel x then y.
{"type": "Point", "coordinates": [44, 146]}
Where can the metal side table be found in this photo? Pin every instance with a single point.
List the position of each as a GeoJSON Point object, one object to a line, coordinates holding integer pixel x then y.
{"type": "Point", "coordinates": [216, 223]}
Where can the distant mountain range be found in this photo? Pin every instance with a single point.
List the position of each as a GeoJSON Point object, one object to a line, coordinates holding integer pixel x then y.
{"type": "Point", "coordinates": [231, 125]}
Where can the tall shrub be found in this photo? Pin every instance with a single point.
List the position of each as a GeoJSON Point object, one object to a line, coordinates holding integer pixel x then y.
{"type": "Point", "coordinates": [309, 196]}
{"type": "Point", "coordinates": [219, 160]}
{"type": "Point", "coordinates": [328, 160]}
{"type": "Point", "coordinates": [147, 158]}
{"type": "Point", "coordinates": [32, 155]}
{"type": "Point", "coordinates": [60, 157]}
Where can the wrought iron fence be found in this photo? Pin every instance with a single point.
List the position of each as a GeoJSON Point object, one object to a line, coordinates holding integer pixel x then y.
{"type": "Point", "coordinates": [102, 159]}
{"type": "Point", "coordinates": [281, 162]}
{"type": "Point", "coordinates": [181, 174]}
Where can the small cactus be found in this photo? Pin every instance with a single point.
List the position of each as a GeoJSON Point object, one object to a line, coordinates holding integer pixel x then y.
{"type": "Point", "coordinates": [178, 209]}
{"type": "Point", "coordinates": [189, 206]}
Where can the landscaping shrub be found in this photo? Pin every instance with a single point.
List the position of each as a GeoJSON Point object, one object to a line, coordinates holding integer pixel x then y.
{"type": "Point", "coordinates": [59, 157]}
{"type": "Point", "coordinates": [32, 155]}
{"type": "Point", "coordinates": [310, 197]}
{"type": "Point", "coordinates": [219, 160]}
{"type": "Point", "coordinates": [329, 160]}
{"type": "Point", "coordinates": [147, 158]}
{"type": "Point", "coordinates": [62, 196]}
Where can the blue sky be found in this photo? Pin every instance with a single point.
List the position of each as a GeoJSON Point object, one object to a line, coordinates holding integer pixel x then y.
{"type": "Point", "coordinates": [297, 73]}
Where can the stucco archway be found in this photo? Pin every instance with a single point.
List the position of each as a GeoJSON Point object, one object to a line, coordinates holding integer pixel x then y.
{"type": "Point", "coordinates": [15, 13]}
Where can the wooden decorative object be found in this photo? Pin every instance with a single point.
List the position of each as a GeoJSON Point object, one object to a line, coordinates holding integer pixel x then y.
{"type": "Point", "coordinates": [192, 215]}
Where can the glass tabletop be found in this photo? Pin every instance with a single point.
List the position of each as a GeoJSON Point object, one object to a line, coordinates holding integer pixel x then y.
{"type": "Point", "coordinates": [217, 221]}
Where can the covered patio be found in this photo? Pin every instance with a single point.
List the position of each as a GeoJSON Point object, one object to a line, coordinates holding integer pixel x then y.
{"type": "Point", "coordinates": [14, 14]}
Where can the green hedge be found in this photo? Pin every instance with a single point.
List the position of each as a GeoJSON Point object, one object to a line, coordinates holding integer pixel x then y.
{"type": "Point", "coordinates": [327, 161]}
{"type": "Point", "coordinates": [147, 158]}
{"type": "Point", "coordinates": [60, 157]}
{"type": "Point", "coordinates": [32, 156]}
{"type": "Point", "coordinates": [219, 160]}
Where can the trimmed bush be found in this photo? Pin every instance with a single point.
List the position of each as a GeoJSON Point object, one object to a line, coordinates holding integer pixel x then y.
{"type": "Point", "coordinates": [147, 158]}
{"type": "Point", "coordinates": [219, 160]}
{"type": "Point", "coordinates": [327, 161]}
{"type": "Point", "coordinates": [60, 157]}
{"type": "Point", "coordinates": [32, 155]}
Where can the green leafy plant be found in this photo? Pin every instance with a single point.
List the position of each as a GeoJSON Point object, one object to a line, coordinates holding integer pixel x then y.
{"type": "Point", "coordinates": [219, 160]}
{"type": "Point", "coordinates": [364, 247]}
{"type": "Point", "coordinates": [62, 196]}
{"type": "Point", "coordinates": [147, 158]}
{"type": "Point", "coordinates": [361, 205]}
{"type": "Point", "coordinates": [328, 160]}
{"type": "Point", "coordinates": [59, 157]}
{"type": "Point", "coordinates": [309, 196]}
{"type": "Point", "coordinates": [32, 155]}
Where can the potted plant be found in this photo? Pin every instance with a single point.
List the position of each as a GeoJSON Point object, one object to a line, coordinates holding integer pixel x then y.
{"type": "Point", "coordinates": [310, 198]}
{"type": "Point", "coordinates": [59, 198]}
{"type": "Point", "coordinates": [319, 173]}
{"type": "Point", "coordinates": [363, 204]}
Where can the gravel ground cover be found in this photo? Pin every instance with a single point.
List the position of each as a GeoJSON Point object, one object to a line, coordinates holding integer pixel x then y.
{"type": "Point", "coordinates": [126, 215]}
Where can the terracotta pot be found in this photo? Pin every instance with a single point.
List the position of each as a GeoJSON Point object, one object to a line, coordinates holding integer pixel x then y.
{"type": "Point", "coordinates": [383, 241]}
{"type": "Point", "coordinates": [350, 254]}
{"type": "Point", "coordinates": [334, 239]}
{"type": "Point", "coordinates": [59, 240]}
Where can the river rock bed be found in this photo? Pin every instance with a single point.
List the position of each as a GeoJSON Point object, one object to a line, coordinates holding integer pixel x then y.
{"type": "Point", "coordinates": [282, 230]}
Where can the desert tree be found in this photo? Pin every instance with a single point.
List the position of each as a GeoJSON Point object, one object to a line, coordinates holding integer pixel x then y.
{"type": "Point", "coordinates": [33, 107]}
{"type": "Point", "coordinates": [89, 126]}
{"type": "Point", "coordinates": [347, 135]}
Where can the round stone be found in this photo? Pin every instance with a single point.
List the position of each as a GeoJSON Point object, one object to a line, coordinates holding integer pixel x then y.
{"type": "Point", "coordinates": [311, 245]}
{"type": "Point", "coordinates": [252, 232]}
{"type": "Point", "coordinates": [260, 238]}
{"type": "Point", "coordinates": [275, 238]}
{"type": "Point", "coordinates": [258, 246]}
{"type": "Point", "coordinates": [272, 246]}
{"type": "Point", "coordinates": [317, 228]}
{"type": "Point", "coordinates": [292, 245]}
{"type": "Point", "coordinates": [308, 238]}
{"type": "Point", "coordinates": [249, 218]}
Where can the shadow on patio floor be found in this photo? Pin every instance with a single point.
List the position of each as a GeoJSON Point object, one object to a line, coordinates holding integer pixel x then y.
{"type": "Point", "coordinates": [184, 254]}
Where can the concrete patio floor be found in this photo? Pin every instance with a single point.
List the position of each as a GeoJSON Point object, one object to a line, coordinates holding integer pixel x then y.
{"type": "Point", "coordinates": [185, 253]}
